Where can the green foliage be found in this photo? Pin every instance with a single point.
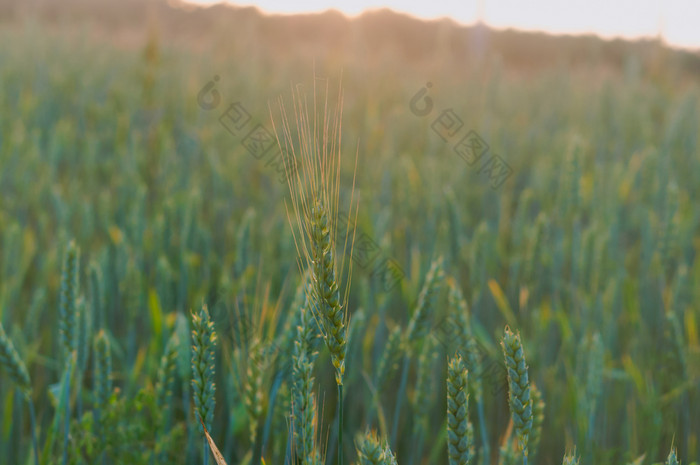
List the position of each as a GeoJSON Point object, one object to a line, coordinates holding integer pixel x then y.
{"type": "Point", "coordinates": [128, 434]}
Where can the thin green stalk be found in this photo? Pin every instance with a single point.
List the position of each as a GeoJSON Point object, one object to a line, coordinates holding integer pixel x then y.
{"type": "Point", "coordinates": [66, 419]}
{"type": "Point", "coordinates": [485, 450]}
{"type": "Point", "coordinates": [32, 419]}
{"type": "Point", "coordinates": [206, 451]}
{"type": "Point", "coordinates": [399, 398]}
{"type": "Point", "coordinates": [340, 424]}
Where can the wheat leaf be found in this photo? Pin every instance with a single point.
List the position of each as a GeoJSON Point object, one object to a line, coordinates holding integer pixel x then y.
{"type": "Point", "coordinates": [214, 450]}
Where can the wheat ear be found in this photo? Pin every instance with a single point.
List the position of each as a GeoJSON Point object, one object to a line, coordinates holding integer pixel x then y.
{"type": "Point", "coordinates": [68, 300]}
{"type": "Point", "coordinates": [253, 390]}
{"type": "Point", "coordinates": [167, 371]}
{"type": "Point", "coordinates": [15, 367]}
{"type": "Point", "coordinates": [203, 358]}
{"type": "Point", "coordinates": [460, 436]}
{"type": "Point", "coordinates": [672, 458]}
{"type": "Point", "coordinates": [315, 193]}
{"type": "Point", "coordinates": [419, 325]}
{"type": "Point", "coordinates": [304, 409]}
{"type": "Point", "coordinates": [537, 420]}
{"type": "Point", "coordinates": [389, 360]}
{"type": "Point", "coordinates": [570, 459]}
{"type": "Point", "coordinates": [519, 388]}
{"type": "Point", "coordinates": [460, 319]}
{"type": "Point", "coordinates": [13, 364]}
{"type": "Point", "coordinates": [370, 451]}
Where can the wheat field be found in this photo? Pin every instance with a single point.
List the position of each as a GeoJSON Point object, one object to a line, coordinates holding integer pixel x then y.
{"type": "Point", "coordinates": [221, 245]}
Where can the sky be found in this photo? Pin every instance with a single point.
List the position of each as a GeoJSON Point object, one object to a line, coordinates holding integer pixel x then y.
{"type": "Point", "coordinates": [678, 21]}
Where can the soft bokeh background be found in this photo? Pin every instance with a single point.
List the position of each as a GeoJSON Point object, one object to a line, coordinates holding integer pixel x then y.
{"type": "Point", "coordinates": [593, 237]}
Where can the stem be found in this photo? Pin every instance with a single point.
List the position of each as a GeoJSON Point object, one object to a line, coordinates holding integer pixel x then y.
{"type": "Point", "coordinates": [484, 435]}
{"type": "Point", "coordinates": [206, 451]}
{"type": "Point", "coordinates": [340, 424]}
{"type": "Point", "coordinates": [525, 457]}
{"type": "Point", "coordinates": [32, 418]}
{"type": "Point", "coordinates": [399, 397]}
{"type": "Point", "coordinates": [66, 420]}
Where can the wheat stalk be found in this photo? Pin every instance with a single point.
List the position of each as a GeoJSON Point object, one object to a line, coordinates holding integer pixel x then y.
{"type": "Point", "coordinates": [389, 457]}
{"type": "Point", "coordinates": [203, 387]}
{"type": "Point", "coordinates": [419, 325]}
{"type": "Point", "coordinates": [389, 360]}
{"type": "Point", "coordinates": [372, 451]}
{"type": "Point", "coordinates": [253, 386]}
{"type": "Point", "coordinates": [672, 458]}
{"type": "Point", "coordinates": [459, 430]}
{"type": "Point", "coordinates": [68, 299]}
{"type": "Point", "coordinates": [68, 315]}
{"type": "Point", "coordinates": [519, 388]}
{"type": "Point", "coordinates": [13, 364]}
{"type": "Point", "coordinates": [508, 453]}
{"type": "Point", "coordinates": [570, 459]}
{"type": "Point", "coordinates": [537, 420]}
{"type": "Point", "coordinates": [460, 319]}
{"type": "Point", "coordinates": [15, 367]}
{"type": "Point", "coordinates": [315, 192]}
{"type": "Point", "coordinates": [167, 371]}
{"type": "Point", "coordinates": [304, 409]}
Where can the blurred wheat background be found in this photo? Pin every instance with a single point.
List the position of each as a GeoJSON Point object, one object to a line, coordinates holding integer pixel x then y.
{"type": "Point", "coordinates": [131, 216]}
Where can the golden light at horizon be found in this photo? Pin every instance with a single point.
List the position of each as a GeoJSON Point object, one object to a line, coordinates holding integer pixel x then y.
{"type": "Point", "coordinates": [677, 21]}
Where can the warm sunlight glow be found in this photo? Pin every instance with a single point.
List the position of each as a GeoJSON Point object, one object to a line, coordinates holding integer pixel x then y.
{"type": "Point", "coordinates": [675, 20]}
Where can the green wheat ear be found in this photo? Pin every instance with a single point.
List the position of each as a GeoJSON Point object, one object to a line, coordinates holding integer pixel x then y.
{"type": "Point", "coordinates": [460, 433]}
{"type": "Point", "coordinates": [418, 325]}
{"type": "Point", "coordinates": [253, 390]}
{"type": "Point", "coordinates": [370, 450]}
{"type": "Point", "coordinates": [68, 299]}
{"type": "Point", "coordinates": [520, 403]}
{"type": "Point", "coordinates": [203, 343]}
{"type": "Point", "coordinates": [304, 409]}
{"type": "Point", "coordinates": [13, 364]}
{"type": "Point", "coordinates": [570, 459]}
{"type": "Point", "coordinates": [537, 420]}
{"type": "Point", "coordinates": [672, 458]}
{"type": "Point", "coordinates": [459, 318]}
{"type": "Point", "coordinates": [326, 293]}
{"type": "Point", "coordinates": [389, 361]}
{"type": "Point", "coordinates": [102, 378]}
{"type": "Point", "coordinates": [508, 455]}
{"type": "Point", "coordinates": [306, 330]}
{"type": "Point", "coordinates": [167, 372]}
{"type": "Point", "coordinates": [389, 457]}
